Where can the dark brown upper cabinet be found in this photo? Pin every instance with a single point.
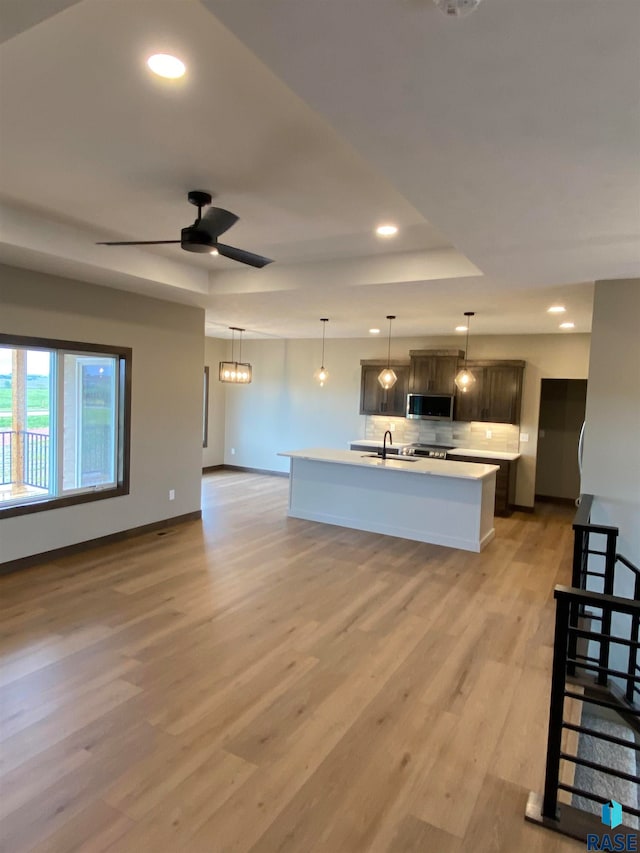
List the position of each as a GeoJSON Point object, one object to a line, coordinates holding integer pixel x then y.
{"type": "Point", "coordinates": [433, 371]}
{"type": "Point", "coordinates": [374, 400]}
{"type": "Point", "coordinates": [496, 395]}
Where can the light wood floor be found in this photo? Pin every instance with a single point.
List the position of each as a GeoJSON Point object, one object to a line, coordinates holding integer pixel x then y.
{"type": "Point", "coordinates": [267, 684]}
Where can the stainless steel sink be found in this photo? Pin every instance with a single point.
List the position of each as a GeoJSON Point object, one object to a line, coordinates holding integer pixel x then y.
{"type": "Point", "coordinates": [394, 458]}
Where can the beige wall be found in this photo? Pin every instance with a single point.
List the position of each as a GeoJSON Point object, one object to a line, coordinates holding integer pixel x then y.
{"type": "Point", "coordinates": [215, 351]}
{"type": "Point", "coordinates": [166, 433]}
{"type": "Point", "coordinates": [283, 409]}
{"type": "Point", "coordinates": [611, 462]}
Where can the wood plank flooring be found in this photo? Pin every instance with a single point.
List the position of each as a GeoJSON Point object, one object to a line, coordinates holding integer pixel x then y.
{"type": "Point", "coordinates": [257, 683]}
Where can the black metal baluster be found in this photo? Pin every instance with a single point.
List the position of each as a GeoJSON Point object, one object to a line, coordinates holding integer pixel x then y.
{"type": "Point", "coordinates": [633, 650]}
{"type": "Point", "coordinates": [580, 545]}
{"type": "Point", "coordinates": [556, 708]}
{"type": "Point", "coordinates": [609, 571]}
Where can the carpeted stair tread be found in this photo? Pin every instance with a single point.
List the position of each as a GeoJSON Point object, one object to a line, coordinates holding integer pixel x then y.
{"type": "Point", "coordinates": [621, 758]}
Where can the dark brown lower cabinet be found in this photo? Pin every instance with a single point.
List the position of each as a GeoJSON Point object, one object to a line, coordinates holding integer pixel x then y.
{"type": "Point", "coordinates": [505, 480]}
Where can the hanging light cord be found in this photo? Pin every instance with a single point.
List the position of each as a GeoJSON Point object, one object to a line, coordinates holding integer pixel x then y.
{"type": "Point", "coordinates": [324, 326]}
{"type": "Point", "coordinates": [468, 315]}
{"type": "Point", "coordinates": [389, 346]}
{"type": "Point", "coordinates": [235, 329]}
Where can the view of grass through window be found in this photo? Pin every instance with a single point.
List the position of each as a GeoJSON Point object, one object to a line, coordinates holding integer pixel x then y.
{"type": "Point", "coordinates": [37, 390]}
{"type": "Point", "coordinates": [61, 429]}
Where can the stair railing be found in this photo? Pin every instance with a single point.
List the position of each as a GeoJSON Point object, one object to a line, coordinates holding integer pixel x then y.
{"type": "Point", "coordinates": [565, 818]}
{"type": "Point", "coordinates": [585, 678]}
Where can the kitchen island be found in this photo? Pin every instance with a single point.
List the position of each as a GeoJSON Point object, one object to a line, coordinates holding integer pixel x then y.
{"type": "Point", "coordinates": [428, 500]}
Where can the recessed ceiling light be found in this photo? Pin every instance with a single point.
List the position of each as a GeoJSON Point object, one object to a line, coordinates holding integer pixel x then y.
{"type": "Point", "coordinates": [556, 309]}
{"type": "Point", "coordinates": [386, 230]}
{"type": "Point", "coordinates": [214, 252]}
{"type": "Point", "coordinates": [567, 325]}
{"type": "Point", "coordinates": [165, 65]}
{"type": "Point", "coordinates": [461, 328]}
{"type": "Point", "coordinates": [374, 331]}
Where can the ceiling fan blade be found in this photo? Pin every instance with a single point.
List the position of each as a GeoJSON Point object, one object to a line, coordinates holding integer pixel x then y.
{"type": "Point", "coordinates": [242, 256]}
{"type": "Point", "coordinates": [138, 243]}
{"type": "Point", "coordinates": [216, 221]}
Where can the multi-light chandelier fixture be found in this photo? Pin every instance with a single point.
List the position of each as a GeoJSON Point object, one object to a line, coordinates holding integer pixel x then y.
{"type": "Point", "coordinates": [322, 374]}
{"type": "Point", "coordinates": [387, 377]}
{"type": "Point", "coordinates": [237, 372]}
{"type": "Point", "coordinates": [465, 378]}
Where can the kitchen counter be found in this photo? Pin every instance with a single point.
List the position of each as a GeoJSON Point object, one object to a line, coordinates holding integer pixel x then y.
{"type": "Point", "coordinates": [428, 500]}
{"type": "Point", "coordinates": [409, 464]}
{"type": "Point", "coordinates": [372, 444]}
{"type": "Point", "coordinates": [456, 451]}
{"type": "Point", "coordinates": [484, 454]}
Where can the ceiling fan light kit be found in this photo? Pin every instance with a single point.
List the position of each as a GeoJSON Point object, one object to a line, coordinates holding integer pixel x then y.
{"type": "Point", "coordinates": [203, 235]}
{"type": "Point", "coordinates": [235, 372]}
{"type": "Point", "coordinates": [465, 379]}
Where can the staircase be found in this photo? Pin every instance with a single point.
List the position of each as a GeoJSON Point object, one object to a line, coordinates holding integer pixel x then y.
{"type": "Point", "coordinates": [593, 746]}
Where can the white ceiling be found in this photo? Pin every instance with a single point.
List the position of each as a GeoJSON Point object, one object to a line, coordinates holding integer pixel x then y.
{"type": "Point", "coordinates": [505, 146]}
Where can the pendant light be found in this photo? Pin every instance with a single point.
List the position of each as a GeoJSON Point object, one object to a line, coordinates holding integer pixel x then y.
{"type": "Point", "coordinates": [464, 378]}
{"type": "Point", "coordinates": [322, 374]}
{"type": "Point", "coordinates": [237, 372]}
{"type": "Point", "coordinates": [387, 377]}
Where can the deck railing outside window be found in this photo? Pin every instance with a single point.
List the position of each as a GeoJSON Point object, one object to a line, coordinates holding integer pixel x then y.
{"type": "Point", "coordinates": [35, 458]}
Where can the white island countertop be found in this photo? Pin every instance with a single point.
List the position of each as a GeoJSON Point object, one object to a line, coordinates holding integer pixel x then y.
{"type": "Point", "coordinates": [410, 465]}
{"type": "Point", "coordinates": [504, 455]}
{"type": "Point", "coordinates": [484, 454]}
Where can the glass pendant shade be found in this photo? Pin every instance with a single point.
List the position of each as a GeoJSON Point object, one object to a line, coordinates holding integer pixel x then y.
{"type": "Point", "coordinates": [464, 379]}
{"type": "Point", "coordinates": [387, 377]}
{"type": "Point", "coordinates": [321, 375]}
{"type": "Point", "coordinates": [237, 372]}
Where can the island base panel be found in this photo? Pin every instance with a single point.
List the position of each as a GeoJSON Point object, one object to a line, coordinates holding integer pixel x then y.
{"type": "Point", "coordinates": [453, 512]}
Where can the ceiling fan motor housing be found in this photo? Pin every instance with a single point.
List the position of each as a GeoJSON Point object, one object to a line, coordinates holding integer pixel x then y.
{"type": "Point", "coordinates": [200, 198]}
{"type": "Point", "coordinates": [195, 240]}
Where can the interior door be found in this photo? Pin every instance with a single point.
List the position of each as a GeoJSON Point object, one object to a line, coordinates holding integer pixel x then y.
{"type": "Point", "coordinates": [562, 408]}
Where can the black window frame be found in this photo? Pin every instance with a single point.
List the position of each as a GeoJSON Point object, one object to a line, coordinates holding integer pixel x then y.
{"type": "Point", "coordinates": [125, 357]}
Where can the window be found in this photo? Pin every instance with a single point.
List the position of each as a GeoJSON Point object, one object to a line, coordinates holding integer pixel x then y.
{"type": "Point", "coordinates": [64, 423]}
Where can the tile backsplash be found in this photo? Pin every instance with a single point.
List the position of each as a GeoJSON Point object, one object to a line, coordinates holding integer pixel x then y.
{"type": "Point", "coordinates": [504, 437]}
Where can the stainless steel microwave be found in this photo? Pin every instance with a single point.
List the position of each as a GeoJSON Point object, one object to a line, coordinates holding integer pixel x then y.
{"type": "Point", "coordinates": [430, 407]}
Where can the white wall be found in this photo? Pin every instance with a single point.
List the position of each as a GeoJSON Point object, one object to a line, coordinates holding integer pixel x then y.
{"type": "Point", "coordinates": [283, 409]}
{"type": "Point", "coordinates": [611, 462]}
{"type": "Point", "coordinates": [215, 351]}
{"type": "Point", "coordinates": [167, 340]}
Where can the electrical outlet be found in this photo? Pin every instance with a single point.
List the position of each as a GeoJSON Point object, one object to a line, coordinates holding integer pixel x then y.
{"type": "Point", "coordinates": [524, 436]}
{"type": "Point", "coordinates": [392, 427]}
{"type": "Point", "coordinates": [488, 433]}
{"type": "Point", "coordinates": [172, 494]}
{"type": "Point", "coordinates": [233, 451]}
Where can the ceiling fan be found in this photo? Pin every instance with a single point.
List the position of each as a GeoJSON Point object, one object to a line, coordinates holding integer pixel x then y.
{"type": "Point", "coordinates": [203, 235]}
